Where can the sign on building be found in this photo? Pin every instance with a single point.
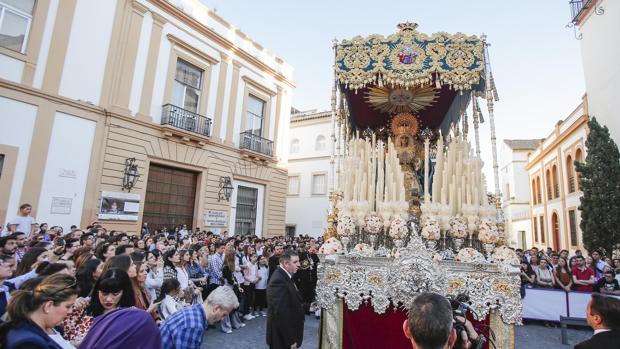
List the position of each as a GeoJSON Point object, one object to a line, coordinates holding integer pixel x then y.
{"type": "Point", "coordinates": [216, 218]}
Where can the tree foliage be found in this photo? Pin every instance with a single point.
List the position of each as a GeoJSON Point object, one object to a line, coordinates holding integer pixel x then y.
{"type": "Point", "coordinates": [600, 182]}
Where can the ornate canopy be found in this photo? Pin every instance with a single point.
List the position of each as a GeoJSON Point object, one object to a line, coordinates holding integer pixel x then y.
{"type": "Point", "coordinates": [409, 58]}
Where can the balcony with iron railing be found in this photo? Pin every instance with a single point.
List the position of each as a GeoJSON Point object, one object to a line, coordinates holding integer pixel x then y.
{"type": "Point", "coordinates": [579, 7]}
{"type": "Point", "coordinates": [257, 144]}
{"type": "Point", "coordinates": [186, 120]}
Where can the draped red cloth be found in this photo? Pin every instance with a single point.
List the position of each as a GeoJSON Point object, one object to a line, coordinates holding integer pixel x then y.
{"type": "Point", "coordinates": [365, 329]}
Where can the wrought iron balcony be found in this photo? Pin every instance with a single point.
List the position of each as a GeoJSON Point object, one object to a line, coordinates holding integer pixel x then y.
{"type": "Point", "coordinates": [255, 143]}
{"type": "Point", "coordinates": [186, 120]}
{"type": "Point", "coordinates": [575, 7]}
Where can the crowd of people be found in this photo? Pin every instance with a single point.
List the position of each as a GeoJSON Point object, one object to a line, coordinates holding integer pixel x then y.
{"type": "Point", "coordinates": [558, 270]}
{"type": "Point", "coordinates": [82, 287]}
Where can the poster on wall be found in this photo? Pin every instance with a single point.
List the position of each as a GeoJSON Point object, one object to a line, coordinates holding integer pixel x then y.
{"type": "Point", "coordinates": [119, 206]}
{"type": "Point", "coordinates": [214, 218]}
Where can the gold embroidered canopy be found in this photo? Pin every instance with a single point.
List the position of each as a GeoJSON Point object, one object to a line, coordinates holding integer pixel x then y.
{"type": "Point", "coordinates": [409, 58]}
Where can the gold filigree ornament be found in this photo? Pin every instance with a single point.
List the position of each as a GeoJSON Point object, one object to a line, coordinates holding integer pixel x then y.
{"type": "Point", "coordinates": [503, 288]}
{"type": "Point", "coordinates": [405, 124]}
{"type": "Point", "coordinates": [399, 100]}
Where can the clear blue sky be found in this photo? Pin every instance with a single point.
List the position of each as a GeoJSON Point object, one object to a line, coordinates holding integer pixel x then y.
{"type": "Point", "coordinates": [536, 60]}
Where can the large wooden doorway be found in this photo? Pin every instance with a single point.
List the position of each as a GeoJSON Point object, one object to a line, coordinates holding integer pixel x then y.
{"type": "Point", "coordinates": [170, 197]}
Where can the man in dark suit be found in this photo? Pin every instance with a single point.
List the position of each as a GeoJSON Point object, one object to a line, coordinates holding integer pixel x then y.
{"type": "Point", "coordinates": [285, 315]}
{"type": "Point", "coordinates": [603, 315]}
{"type": "Point", "coordinates": [274, 260]}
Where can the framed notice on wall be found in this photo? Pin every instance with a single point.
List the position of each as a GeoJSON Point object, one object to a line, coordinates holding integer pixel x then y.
{"type": "Point", "coordinates": [214, 218]}
{"type": "Point", "coordinates": [119, 206]}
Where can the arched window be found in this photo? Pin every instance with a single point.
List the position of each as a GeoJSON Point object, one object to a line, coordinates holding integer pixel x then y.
{"type": "Point", "coordinates": [555, 234]}
{"type": "Point", "coordinates": [556, 184]}
{"type": "Point", "coordinates": [570, 174]}
{"type": "Point", "coordinates": [320, 143]}
{"type": "Point", "coordinates": [538, 191]}
{"type": "Point", "coordinates": [295, 146]}
{"type": "Point", "coordinates": [548, 185]}
{"type": "Point", "coordinates": [577, 159]}
{"type": "Point", "coordinates": [534, 195]}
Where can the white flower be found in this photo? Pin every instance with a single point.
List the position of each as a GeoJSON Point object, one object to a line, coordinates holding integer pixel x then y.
{"type": "Point", "coordinates": [398, 229]}
{"type": "Point", "coordinates": [346, 226]}
{"type": "Point", "coordinates": [331, 246]}
{"type": "Point", "coordinates": [373, 224]}
{"type": "Point", "coordinates": [470, 255]}
{"type": "Point", "coordinates": [487, 232]}
{"type": "Point", "coordinates": [458, 227]}
{"type": "Point", "coordinates": [505, 255]}
{"type": "Point", "coordinates": [430, 229]}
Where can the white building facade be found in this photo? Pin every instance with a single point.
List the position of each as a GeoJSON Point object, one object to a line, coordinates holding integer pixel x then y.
{"type": "Point", "coordinates": [88, 87]}
{"type": "Point", "coordinates": [515, 185]}
{"type": "Point", "coordinates": [599, 32]}
{"type": "Point", "coordinates": [554, 184]}
{"type": "Point", "coordinates": [307, 199]}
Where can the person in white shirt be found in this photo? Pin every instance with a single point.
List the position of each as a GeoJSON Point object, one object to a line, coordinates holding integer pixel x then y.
{"type": "Point", "coordinates": [250, 276]}
{"type": "Point", "coordinates": [260, 293]}
{"type": "Point", "coordinates": [169, 298]}
{"type": "Point", "coordinates": [23, 222]}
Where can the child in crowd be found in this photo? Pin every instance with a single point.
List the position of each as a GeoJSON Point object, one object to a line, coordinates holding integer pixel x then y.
{"type": "Point", "coordinates": [260, 293]}
{"type": "Point", "coordinates": [169, 297]}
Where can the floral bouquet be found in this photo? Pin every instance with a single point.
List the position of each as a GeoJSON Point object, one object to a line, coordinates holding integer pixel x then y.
{"type": "Point", "coordinates": [363, 249]}
{"type": "Point", "coordinates": [331, 246]}
{"type": "Point", "coordinates": [458, 227]}
{"type": "Point", "coordinates": [346, 226]}
{"type": "Point", "coordinates": [373, 225]}
{"type": "Point", "coordinates": [487, 232]}
{"type": "Point", "coordinates": [398, 228]}
{"type": "Point", "coordinates": [505, 255]}
{"type": "Point", "coordinates": [470, 255]}
{"type": "Point", "coordinates": [430, 229]}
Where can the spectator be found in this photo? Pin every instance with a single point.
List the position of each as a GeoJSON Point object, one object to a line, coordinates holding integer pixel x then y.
{"type": "Point", "coordinates": [8, 245]}
{"type": "Point", "coordinates": [31, 260]}
{"type": "Point", "coordinates": [20, 240]}
{"type": "Point", "coordinates": [260, 294]}
{"type": "Point", "coordinates": [597, 264]}
{"type": "Point", "coordinates": [33, 314]}
{"type": "Point", "coordinates": [110, 331]}
{"type": "Point", "coordinates": [169, 298]}
{"type": "Point", "coordinates": [563, 276]}
{"type": "Point", "coordinates": [185, 328]}
{"type": "Point", "coordinates": [534, 262]}
{"type": "Point", "coordinates": [155, 276]}
{"type": "Point", "coordinates": [23, 222]}
{"type": "Point", "coordinates": [603, 315]}
{"type": "Point", "coordinates": [87, 276]}
{"type": "Point", "coordinates": [544, 276]}
{"type": "Point", "coordinates": [583, 277]}
{"type": "Point", "coordinates": [216, 262]}
{"type": "Point", "coordinates": [607, 284]}
{"type": "Point", "coordinates": [528, 276]}
{"type": "Point", "coordinates": [232, 320]}
{"type": "Point", "coordinates": [250, 278]}
{"type": "Point", "coordinates": [106, 251]}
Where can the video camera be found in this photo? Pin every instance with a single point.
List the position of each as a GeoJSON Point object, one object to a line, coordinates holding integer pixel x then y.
{"type": "Point", "coordinates": [460, 307]}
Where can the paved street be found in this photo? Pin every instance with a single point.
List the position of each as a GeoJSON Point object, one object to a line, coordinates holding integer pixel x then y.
{"type": "Point", "coordinates": [533, 335]}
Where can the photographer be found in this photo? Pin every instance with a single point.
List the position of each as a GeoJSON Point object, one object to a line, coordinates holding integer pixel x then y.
{"type": "Point", "coordinates": [430, 325]}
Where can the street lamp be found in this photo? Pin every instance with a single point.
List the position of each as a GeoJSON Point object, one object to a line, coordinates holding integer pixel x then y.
{"type": "Point", "coordinates": [226, 189]}
{"type": "Point", "coordinates": [130, 177]}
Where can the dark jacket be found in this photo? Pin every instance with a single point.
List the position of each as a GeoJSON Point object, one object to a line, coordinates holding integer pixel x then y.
{"type": "Point", "coordinates": [607, 340]}
{"type": "Point", "coordinates": [285, 315]}
{"type": "Point", "coordinates": [29, 335]}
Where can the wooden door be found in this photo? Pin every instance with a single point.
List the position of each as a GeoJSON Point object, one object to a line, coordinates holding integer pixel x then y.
{"type": "Point", "coordinates": [170, 197]}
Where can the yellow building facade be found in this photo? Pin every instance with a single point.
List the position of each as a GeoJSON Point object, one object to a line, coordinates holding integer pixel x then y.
{"type": "Point", "coordinates": [133, 111]}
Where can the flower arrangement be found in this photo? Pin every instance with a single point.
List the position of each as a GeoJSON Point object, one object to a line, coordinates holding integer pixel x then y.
{"type": "Point", "coordinates": [430, 229]}
{"type": "Point", "coordinates": [398, 228]}
{"type": "Point", "coordinates": [458, 227]}
{"type": "Point", "coordinates": [373, 225]}
{"type": "Point", "coordinates": [363, 249]}
{"type": "Point", "coordinates": [470, 255]}
{"type": "Point", "coordinates": [505, 255]}
{"type": "Point", "coordinates": [346, 226]}
{"type": "Point", "coordinates": [331, 246]}
{"type": "Point", "coordinates": [487, 232]}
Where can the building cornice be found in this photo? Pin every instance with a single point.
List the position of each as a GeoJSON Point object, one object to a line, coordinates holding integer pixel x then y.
{"type": "Point", "coordinates": [219, 39]}
{"type": "Point", "coordinates": [582, 120]}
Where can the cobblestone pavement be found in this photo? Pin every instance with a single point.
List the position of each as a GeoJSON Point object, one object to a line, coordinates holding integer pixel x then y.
{"type": "Point", "coordinates": [533, 335]}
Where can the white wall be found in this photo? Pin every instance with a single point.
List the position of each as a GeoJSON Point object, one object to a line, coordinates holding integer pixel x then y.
{"type": "Point", "coordinates": [601, 53]}
{"type": "Point", "coordinates": [66, 170]}
{"type": "Point", "coordinates": [45, 44]}
{"type": "Point", "coordinates": [87, 52]}
{"type": "Point", "coordinates": [17, 124]}
{"type": "Point", "coordinates": [141, 58]}
{"type": "Point", "coordinates": [11, 68]}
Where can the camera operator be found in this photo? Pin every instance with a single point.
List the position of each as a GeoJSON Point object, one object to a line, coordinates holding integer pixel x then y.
{"type": "Point", "coordinates": [431, 325]}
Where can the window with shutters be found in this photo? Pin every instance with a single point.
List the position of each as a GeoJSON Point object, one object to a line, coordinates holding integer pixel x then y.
{"type": "Point", "coordinates": [319, 184]}
{"type": "Point", "coordinates": [15, 22]}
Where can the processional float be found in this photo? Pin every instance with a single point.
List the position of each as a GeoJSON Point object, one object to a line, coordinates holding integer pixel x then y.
{"type": "Point", "coordinates": [409, 207]}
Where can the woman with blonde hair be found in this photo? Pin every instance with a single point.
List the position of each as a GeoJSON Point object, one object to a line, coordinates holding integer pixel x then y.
{"type": "Point", "coordinates": [33, 314]}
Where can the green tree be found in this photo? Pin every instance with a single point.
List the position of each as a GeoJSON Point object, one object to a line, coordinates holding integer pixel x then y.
{"type": "Point", "coordinates": [600, 182]}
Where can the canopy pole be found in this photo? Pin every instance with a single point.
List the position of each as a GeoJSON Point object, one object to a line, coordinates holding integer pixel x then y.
{"type": "Point", "coordinates": [475, 111]}
{"type": "Point", "coordinates": [332, 180]}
